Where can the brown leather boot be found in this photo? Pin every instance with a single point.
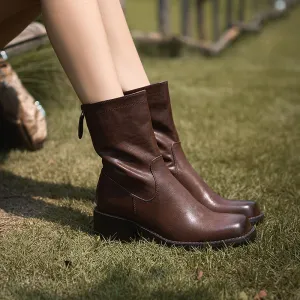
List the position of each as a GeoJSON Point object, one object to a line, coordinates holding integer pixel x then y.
{"type": "Point", "coordinates": [175, 159]}
{"type": "Point", "coordinates": [137, 194]}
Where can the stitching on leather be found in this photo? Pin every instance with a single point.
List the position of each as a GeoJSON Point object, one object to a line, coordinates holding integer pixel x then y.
{"type": "Point", "coordinates": [134, 205]}
{"type": "Point", "coordinates": [174, 157]}
{"type": "Point", "coordinates": [133, 195]}
{"type": "Point", "coordinates": [156, 185]}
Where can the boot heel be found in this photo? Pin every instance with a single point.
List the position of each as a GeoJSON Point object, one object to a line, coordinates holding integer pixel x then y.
{"type": "Point", "coordinates": [113, 227]}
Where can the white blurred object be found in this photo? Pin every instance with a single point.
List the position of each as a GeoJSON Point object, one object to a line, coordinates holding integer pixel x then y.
{"type": "Point", "coordinates": [3, 55]}
{"type": "Point", "coordinates": [40, 108]}
{"type": "Point", "coordinates": [280, 5]}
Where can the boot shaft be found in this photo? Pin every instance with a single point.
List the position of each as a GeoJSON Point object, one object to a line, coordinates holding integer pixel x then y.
{"type": "Point", "coordinates": [160, 108]}
{"type": "Point", "coordinates": [162, 119]}
{"type": "Point", "coordinates": [136, 190]}
{"type": "Point", "coordinates": [123, 136]}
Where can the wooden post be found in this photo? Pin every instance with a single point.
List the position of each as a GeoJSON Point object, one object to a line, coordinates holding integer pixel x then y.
{"type": "Point", "coordinates": [229, 8]}
{"type": "Point", "coordinates": [255, 6]}
{"type": "Point", "coordinates": [241, 10]}
{"type": "Point", "coordinates": [186, 17]}
{"type": "Point", "coordinates": [164, 17]}
{"type": "Point", "coordinates": [270, 4]}
{"type": "Point", "coordinates": [200, 19]}
{"type": "Point", "coordinates": [216, 19]}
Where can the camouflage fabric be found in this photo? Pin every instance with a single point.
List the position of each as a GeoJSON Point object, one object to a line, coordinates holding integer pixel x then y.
{"type": "Point", "coordinates": [22, 119]}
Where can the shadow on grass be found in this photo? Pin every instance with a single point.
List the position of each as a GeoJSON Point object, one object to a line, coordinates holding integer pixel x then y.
{"type": "Point", "coordinates": [123, 282]}
{"type": "Point", "coordinates": [3, 156]}
{"type": "Point", "coordinates": [22, 185]}
{"type": "Point", "coordinates": [20, 196]}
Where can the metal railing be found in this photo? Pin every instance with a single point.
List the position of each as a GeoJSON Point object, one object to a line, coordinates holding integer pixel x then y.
{"type": "Point", "coordinates": [218, 22]}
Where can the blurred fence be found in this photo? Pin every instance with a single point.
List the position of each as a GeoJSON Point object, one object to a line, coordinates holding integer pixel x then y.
{"type": "Point", "coordinates": [208, 26]}
{"type": "Point", "coordinates": [217, 22]}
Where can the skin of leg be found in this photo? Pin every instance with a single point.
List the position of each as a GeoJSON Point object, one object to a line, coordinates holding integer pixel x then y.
{"type": "Point", "coordinates": [15, 16]}
{"type": "Point", "coordinates": [130, 70]}
{"type": "Point", "coordinates": [78, 37]}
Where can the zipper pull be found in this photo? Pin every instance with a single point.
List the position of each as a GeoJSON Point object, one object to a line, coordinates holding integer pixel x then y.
{"type": "Point", "coordinates": [80, 125]}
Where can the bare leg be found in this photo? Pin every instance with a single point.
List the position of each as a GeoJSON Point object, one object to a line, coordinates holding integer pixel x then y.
{"type": "Point", "coordinates": [78, 37]}
{"type": "Point", "coordinates": [80, 42]}
{"type": "Point", "coordinates": [15, 16]}
{"type": "Point", "coordinates": [129, 68]}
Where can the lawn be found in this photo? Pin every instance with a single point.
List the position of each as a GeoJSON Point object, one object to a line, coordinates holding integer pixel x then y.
{"type": "Point", "coordinates": [238, 117]}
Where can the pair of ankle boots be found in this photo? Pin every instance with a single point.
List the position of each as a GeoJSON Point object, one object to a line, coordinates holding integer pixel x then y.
{"type": "Point", "coordinates": [147, 187]}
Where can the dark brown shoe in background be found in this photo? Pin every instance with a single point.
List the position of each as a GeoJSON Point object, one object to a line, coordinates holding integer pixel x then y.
{"type": "Point", "coordinates": [136, 193]}
{"type": "Point", "coordinates": [175, 159]}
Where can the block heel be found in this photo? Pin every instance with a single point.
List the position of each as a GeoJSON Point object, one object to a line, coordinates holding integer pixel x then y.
{"type": "Point", "coordinates": [114, 228]}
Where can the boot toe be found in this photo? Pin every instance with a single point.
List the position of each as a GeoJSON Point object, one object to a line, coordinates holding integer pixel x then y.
{"type": "Point", "coordinates": [248, 208]}
{"type": "Point", "coordinates": [237, 226]}
{"type": "Point", "coordinates": [229, 227]}
{"type": "Point", "coordinates": [255, 214]}
{"type": "Point", "coordinates": [242, 225]}
{"type": "Point", "coordinates": [252, 209]}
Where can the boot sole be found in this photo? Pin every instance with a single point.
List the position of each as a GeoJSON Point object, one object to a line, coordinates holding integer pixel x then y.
{"type": "Point", "coordinates": [117, 228]}
{"type": "Point", "coordinates": [257, 219]}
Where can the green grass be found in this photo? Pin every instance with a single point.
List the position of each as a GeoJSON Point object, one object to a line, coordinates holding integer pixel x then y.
{"type": "Point", "coordinates": [238, 118]}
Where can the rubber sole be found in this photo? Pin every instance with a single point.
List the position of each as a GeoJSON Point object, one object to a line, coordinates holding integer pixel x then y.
{"type": "Point", "coordinates": [257, 219]}
{"type": "Point", "coordinates": [117, 228]}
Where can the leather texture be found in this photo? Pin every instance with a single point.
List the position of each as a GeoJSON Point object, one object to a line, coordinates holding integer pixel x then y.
{"type": "Point", "coordinates": [135, 183]}
{"type": "Point", "coordinates": [169, 144]}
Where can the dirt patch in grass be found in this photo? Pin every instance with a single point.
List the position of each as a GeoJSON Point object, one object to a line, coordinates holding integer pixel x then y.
{"type": "Point", "coordinates": [8, 221]}
{"type": "Point", "coordinates": [15, 208]}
